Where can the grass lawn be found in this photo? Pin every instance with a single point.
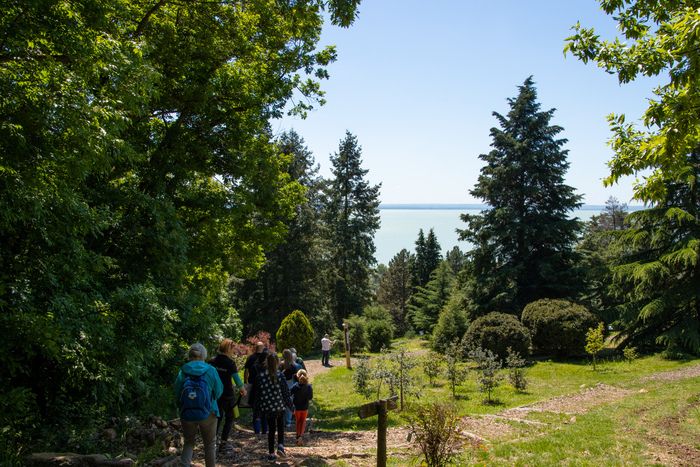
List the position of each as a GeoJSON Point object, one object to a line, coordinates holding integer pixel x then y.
{"type": "Point", "coordinates": [653, 418]}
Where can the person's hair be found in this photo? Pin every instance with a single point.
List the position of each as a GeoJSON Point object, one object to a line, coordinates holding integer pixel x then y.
{"type": "Point", "coordinates": [288, 358]}
{"type": "Point", "coordinates": [197, 352]}
{"type": "Point", "coordinates": [272, 364]}
{"type": "Point", "coordinates": [226, 347]}
{"type": "Point", "coordinates": [303, 376]}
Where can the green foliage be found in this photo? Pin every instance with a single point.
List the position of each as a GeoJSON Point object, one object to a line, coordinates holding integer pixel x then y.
{"type": "Point", "coordinates": [451, 325]}
{"type": "Point", "coordinates": [428, 257]}
{"type": "Point", "coordinates": [435, 427]}
{"type": "Point", "coordinates": [395, 288]}
{"type": "Point", "coordinates": [516, 370]}
{"type": "Point", "coordinates": [378, 327]}
{"type": "Point", "coordinates": [656, 277]}
{"type": "Point", "coordinates": [432, 364]}
{"type": "Point", "coordinates": [294, 274]}
{"type": "Point", "coordinates": [399, 365]}
{"type": "Point", "coordinates": [630, 354]}
{"type": "Point", "coordinates": [362, 378]}
{"type": "Point", "coordinates": [295, 331]}
{"type": "Point", "coordinates": [455, 370]}
{"type": "Point", "coordinates": [595, 342]}
{"type": "Point", "coordinates": [426, 303]}
{"type": "Point", "coordinates": [358, 335]}
{"type": "Point", "coordinates": [558, 327]}
{"type": "Point", "coordinates": [352, 218]}
{"type": "Point", "coordinates": [523, 244]}
{"type": "Point", "coordinates": [495, 332]}
{"type": "Point", "coordinates": [489, 365]}
{"type": "Point", "coordinates": [137, 178]}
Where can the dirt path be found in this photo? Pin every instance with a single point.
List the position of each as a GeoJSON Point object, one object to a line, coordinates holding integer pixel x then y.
{"type": "Point", "coordinates": [358, 448]}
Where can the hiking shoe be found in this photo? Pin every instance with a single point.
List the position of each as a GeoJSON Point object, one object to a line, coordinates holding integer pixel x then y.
{"type": "Point", "coordinates": [271, 457]}
{"type": "Point", "coordinates": [280, 450]}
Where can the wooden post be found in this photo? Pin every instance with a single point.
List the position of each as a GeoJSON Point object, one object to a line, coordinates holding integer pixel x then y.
{"type": "Point", "coordinates": [346, 329]}
{"type": "Point", "coordinates": [381, 433]}
{"type": "Point", "coordinates": [380, 408]}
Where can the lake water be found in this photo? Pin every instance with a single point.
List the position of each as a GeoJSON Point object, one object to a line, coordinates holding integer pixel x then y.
{"type": "Point", "coordinates": [401, 222]}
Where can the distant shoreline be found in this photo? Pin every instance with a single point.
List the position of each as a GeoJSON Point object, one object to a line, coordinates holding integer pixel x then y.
{"type": "Point", "coordinates": [445, 207]}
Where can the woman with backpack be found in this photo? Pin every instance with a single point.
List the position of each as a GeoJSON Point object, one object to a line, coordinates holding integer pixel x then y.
{"type": "Point", "coordinates": [197, 388]}
{"type": "Point", "coordinates": [272, 398]}
{"type": "Point", "coordinates": [228, 373]}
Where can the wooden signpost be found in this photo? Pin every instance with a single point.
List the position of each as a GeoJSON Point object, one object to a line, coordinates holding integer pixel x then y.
{"type": "Point", "coordinates": [346, 329]}
{"type": "Point", "coordinates": [379, 408]}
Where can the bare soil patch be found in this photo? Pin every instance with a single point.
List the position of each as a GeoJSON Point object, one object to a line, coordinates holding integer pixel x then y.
{"type": "Point", "coordinates": [674, 375]}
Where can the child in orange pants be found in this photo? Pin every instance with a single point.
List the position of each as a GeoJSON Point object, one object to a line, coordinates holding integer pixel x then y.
{"type": "Point", "coordinates": [302, 393]}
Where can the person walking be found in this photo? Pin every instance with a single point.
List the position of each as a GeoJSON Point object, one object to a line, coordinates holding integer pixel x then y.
{"type": "Point", "coordinates": [326, 344]}
{"type": "Point", "coordinates": [255, 367]}
{"type": "Point", "coordinates": [228, 374]}
{"type": "Point", "coordinates": [302, 393]}
{"type": "Point", "coordinates": [197, 388]}
{"type": "Point", "coordinates": [271, 399]}
{"type": "Point", "coordinates": [289, 369]}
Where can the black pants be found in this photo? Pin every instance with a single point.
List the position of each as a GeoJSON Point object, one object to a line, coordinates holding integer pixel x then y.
{"type": "Point", "coordinates": [326, 357]}
{"type": "Point", "coordinates": [275, 421]}
{"type": "Point", "coordinates": [226, 413]}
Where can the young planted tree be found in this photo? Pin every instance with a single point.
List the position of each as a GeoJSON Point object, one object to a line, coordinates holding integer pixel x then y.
{"type": "Point", "coordinates": [595, 342]}
{"type": "Point", "coordinates": [435, 427]}
{"type": "Point", "coordinates": [660, 275]}
{"type": "Point", "coordinates": [516, 370]}
{"type": "Point", "coordinates": [400, 363]}
{"type": "Point", "coordinates": [352, 217]}
{"type": "Point", "coordinates": [489, 365]}
{"type": "Point", "coordinates": [455, 370]}
{"type": "Point", "coordinates": [523, 243]}
{"type": "Point", "coordinates": [432, 364]}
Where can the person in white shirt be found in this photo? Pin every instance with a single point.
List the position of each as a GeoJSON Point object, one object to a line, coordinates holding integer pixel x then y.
{"type": "Point", "coordinates": [326, 344]}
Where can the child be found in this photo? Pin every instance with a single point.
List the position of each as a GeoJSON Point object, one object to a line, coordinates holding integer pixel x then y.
{"type": "Point", "coordinates": [302, 393]}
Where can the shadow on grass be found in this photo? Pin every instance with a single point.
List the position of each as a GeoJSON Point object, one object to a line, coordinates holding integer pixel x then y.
{"type": "Point", "coordinates": [346, 419]}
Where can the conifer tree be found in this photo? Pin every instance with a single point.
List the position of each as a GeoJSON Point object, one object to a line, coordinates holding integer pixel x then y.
{"type": "Point", "coordinates": [292, 276]}
{"type": "Point", "coordinates": [428, 256]}
{"type": "Point", "coordinates": [427, 302]}
{"type": "Point", "coordinates": [352, 216]}
{"type": "Point", "coordinates": [523, 241]}
{"type": "Point", "coordinates": [395, 289]}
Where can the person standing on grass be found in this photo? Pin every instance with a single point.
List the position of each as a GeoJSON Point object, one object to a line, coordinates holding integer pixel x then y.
{"type": "Point", "coordinates": [302, 393]}
{"type": "Point", "coordinates": [197, 388]}
{"type": "Point", "coordinates": [326, 344]}
{"type": "Point", "coordinates": [271, 399]}
{"type": "Point", "coordinates": [228, 373]}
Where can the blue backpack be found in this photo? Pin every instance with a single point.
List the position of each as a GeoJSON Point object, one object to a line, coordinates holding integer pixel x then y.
{"type": "Point", "coordinates": [195, 399]}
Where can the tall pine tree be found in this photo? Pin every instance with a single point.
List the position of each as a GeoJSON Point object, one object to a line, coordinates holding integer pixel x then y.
{"type": "Point", "coordinates": [523, 242]}
{"type": "Point", "coordinates": [428, 257]}
{"type": "Point", "coordinates": [426, 303]}
{"type": "Point", "coordinates": [352, 216]}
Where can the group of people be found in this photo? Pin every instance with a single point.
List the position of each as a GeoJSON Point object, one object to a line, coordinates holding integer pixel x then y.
{"type": "Point", "coordinates": [276, 392]}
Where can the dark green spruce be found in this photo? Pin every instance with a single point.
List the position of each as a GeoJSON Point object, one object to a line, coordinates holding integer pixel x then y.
{"type": "Point", "coordinates": [523, 241]}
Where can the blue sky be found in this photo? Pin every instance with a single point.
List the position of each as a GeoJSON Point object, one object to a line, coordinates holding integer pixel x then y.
{"type": "Point", "coordinates": [417, 83]}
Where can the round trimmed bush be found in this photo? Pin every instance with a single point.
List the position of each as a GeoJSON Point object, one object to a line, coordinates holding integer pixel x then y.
{"type": "Point", "coordinates": [295, 331]}
{"type": "Point", "coordinates": [558, 327]}
{"type": "Point", "coordinates": [496, 332]}
{"type": "Point", "coordinates": [379, 334]}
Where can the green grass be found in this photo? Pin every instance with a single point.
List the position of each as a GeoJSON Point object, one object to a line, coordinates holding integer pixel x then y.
{"type": "Point", "coordinates": [623, 432]}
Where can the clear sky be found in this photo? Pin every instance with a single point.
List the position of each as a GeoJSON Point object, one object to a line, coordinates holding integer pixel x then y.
{"type": "Point", "coordinates": [417, 83]}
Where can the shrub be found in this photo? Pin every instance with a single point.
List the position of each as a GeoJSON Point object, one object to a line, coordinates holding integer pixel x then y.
{"type": "Point", "coordinates": [358, 335]}
{"type": "Point", "coordinates": [379, 328]}
{"type": "Point", "coordinates": [432, 364]}
{"type": "Point", "coordinates": [455, 370]}
{"type": "Point", "coordinates": [558, 327]}
{"type": "Point", "coordinates": [516, 370]}
{"type": "Point", "coordinates": [496, 332]}
{"type": "Point", "coordinates": [630, 354]}
{"type": "Point", "coordinates": [595, 342]}
{"type": "Point", "coordinates": [436, 430]}
{"type": "Point", "coordinates": [362, 377]}
{"type": "Point", "coordinates": [295, 331]}
{"type": "Point", "coordinates": [451, 326]}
